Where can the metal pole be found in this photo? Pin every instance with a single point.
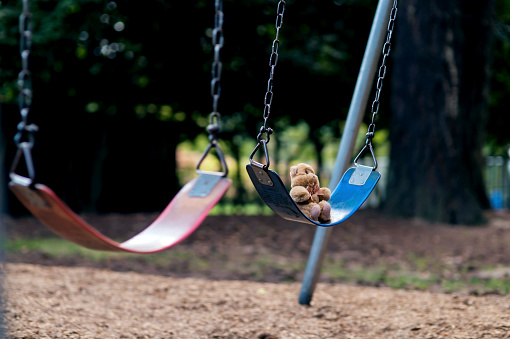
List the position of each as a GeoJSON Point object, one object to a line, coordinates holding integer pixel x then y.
{"type": "Point", "coordinates": [3, 209]}
{"type": "Point", "coordinates": [345, 150]}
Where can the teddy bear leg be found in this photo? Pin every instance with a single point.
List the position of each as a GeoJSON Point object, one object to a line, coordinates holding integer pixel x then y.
{"type": "Point", "coordinates": [326, 210]}
{"type": "Point", "coordinates": [315, 212]}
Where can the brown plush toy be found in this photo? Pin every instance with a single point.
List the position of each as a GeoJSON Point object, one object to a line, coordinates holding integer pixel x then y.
{"type": "Point", "coordinates": [309, 196]}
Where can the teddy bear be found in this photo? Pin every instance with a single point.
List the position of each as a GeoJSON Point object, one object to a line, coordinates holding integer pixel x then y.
{"type": "Point", "coordinates": [306, 192]}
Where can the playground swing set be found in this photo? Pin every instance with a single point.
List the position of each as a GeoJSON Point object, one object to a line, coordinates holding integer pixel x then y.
{"type": "Point", "coordinates": [192, 203]}
{"type": "Point", "coordinates": [179, 219]}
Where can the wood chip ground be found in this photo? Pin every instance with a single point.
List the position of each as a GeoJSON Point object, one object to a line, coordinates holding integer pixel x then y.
{"type": "Point", "coordinates": [73, 302]}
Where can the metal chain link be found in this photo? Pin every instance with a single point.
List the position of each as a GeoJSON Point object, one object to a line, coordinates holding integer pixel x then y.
{"type": "Point", "coordinates": [25, 131]}
{"type": "Point", "coordinates": [24, 138]}
{"type": "Point", "coordinates": [268, 98]}
{"type": "Point", "coordinates": [217, 41]}
{"type": "Point", "coordinates": [215, 118]}
{"type": "Point", "coordinates": [273, 60]}
{"type": "Point", "coordinates": [382, 74]}
{"type": "Point", "coordinates": [382, 71]}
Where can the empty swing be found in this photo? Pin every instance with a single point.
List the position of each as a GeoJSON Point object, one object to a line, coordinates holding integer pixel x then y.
{"type": "Point", "coordinates": [357, 182]}
{"type": "Point", "coordinates": [179, 219]}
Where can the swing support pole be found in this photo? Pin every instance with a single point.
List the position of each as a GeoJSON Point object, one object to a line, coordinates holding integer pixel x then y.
{"type": "Point", "coordinates": [354, 117]}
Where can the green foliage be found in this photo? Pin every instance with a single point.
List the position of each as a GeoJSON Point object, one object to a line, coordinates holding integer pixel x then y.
{"type": "Point", "coordinates": [419, 273]}
{"type": "Point", "coordinates": [55, 248]}
{"type": "Point", "coordinates": [226, 208]}
{"type": "Point", "coordinates": [138, 75]}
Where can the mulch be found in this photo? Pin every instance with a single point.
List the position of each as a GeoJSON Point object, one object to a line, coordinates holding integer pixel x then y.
{"type": "Point", "coordinates": [69, 302]}
{"type": "Point", "coordinates": [76, 298]}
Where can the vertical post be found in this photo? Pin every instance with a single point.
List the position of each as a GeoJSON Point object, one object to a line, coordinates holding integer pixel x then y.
{"type": "Point", "coordinates": [3, 209]}
{"type": "Point", "coordinates": [345, 150]}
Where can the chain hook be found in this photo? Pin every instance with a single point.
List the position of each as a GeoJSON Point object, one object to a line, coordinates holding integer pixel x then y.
{"type": "Point", "coordinates": [368, 147]}
{"type": "Point", "coordinates": [213, 144]}
{"type": "Point", "coordinates": [214, 126]}
{"type": "Point", "coordinates": [25, 135]}
{"type": "Point", "coordinates": [24, 140]}
{"type": "Point", "coordinates": [268, 131]}
{"type": "Point", "coordinates": [213, 129]}
{"type": "Point", "coordinates": [262, 143]}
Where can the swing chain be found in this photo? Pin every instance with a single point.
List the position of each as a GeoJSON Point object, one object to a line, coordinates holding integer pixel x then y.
{"type": "Point", "coordinates": [375, 104]}
{"type": "Point", "coordinates": [24, 138]}
{"type": "Point", "coordinates": [215, 117]}
{"type": "Point", "coordinates": [382, 72]}
{"type": "Point", "coordinates": [25, 131]}
{"type": "Point", "coordinates": [268, 98]}
{"type": "Point", "coordinates": [217, 40]}
{"type": "Point", "coordinates": [273, 60]}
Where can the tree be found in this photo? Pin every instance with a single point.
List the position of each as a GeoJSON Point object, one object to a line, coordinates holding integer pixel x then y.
{"type": "Point", "coordinates": [106, 83]}
{"type": "Point", "coordinates": [440, 92]}
{"type": "Point", "coordinates": [117, 85]}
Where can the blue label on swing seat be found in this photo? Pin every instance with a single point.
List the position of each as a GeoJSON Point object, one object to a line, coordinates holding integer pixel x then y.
{"type": "Point", "coordinates": [204, 185]}
{"type": "Point", "coordinates": [360, 175]}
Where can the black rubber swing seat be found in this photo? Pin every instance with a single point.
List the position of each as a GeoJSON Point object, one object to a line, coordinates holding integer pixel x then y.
{"type": "Point", "coordinates": [353, 189]}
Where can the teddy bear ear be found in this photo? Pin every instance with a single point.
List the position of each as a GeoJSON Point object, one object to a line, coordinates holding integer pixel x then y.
{"type": "Point", "coordinates": [293, 170]}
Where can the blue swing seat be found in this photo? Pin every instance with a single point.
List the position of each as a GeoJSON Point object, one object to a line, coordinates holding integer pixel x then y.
{"type": "Point", "coordinates": [345, 199]}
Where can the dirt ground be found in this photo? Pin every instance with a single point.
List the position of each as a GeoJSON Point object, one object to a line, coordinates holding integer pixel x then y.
{"type": "Point", "coordinates": [48, 297]}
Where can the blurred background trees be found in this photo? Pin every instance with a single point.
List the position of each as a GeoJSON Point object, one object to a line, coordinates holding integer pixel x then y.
{"type": "Point", "coordinates": [121, 91]}
{"type": "Point", "coordinates": [440, 100]}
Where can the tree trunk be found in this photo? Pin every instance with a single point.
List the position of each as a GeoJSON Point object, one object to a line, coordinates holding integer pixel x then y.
{"type": "Point", "coordinates": [240, 195]}
{"type": "Point", "coordinates": [440, 85]}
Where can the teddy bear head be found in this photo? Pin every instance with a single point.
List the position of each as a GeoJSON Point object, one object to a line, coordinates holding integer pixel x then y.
{"type": "Point", "coordinates": [303, 175]}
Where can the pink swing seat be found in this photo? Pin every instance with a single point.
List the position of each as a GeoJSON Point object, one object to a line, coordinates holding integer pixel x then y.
{"type": "Point", "coordinates": [179, 219]}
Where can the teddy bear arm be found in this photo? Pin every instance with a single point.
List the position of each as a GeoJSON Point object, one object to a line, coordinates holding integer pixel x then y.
{"type": "Point", "coordinates": [299, 194]}
{"type": "Point", "coordinates": [326, 194]}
